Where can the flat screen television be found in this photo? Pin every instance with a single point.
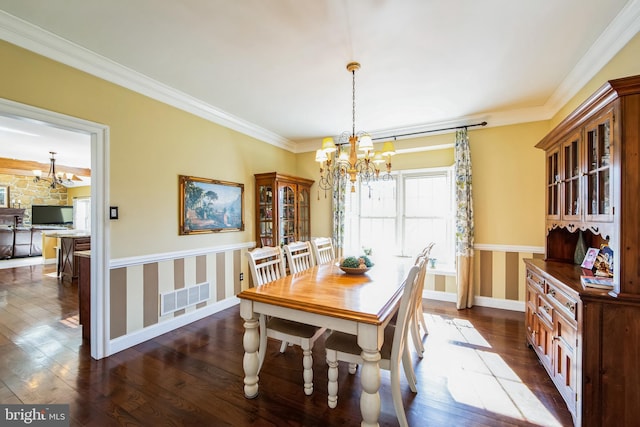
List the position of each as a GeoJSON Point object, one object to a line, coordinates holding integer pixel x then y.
{"type": "Point", "coordinates": [51, 215]}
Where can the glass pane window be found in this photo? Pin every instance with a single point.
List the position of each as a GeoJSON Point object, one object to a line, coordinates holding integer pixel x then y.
{"type": "Point", "coordinates": [401, 216]}
{"type": "Point", "coordinates": [82, 214]}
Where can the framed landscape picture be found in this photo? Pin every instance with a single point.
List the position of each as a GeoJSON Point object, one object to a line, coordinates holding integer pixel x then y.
{"type": "Point", "coordinates": [210, 206]}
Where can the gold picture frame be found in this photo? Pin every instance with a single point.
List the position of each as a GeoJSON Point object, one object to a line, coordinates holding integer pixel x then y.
{"type": "Point", "coordinates": [209, 205]}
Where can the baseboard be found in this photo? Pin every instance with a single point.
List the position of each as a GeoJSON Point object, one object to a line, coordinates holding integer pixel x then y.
{"type": "Point", "coordinates": [151, 332]}
{"type": "Point", "coordinates": [502, 304]}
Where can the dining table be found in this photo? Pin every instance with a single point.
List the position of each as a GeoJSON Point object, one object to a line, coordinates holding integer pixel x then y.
{"type": "Point", "coordinates": [325, 296]}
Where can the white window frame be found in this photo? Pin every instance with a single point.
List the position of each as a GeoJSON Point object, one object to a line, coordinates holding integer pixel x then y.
{"type": "Point", "coordinates": [399, 246]}
{"type": "Point", "coordinates": [82, 222]}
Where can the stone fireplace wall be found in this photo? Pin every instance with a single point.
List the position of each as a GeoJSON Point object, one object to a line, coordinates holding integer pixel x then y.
{"type": "Point", "coordinates": [23, 189]}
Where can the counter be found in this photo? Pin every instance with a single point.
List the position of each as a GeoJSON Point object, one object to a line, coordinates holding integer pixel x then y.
{"type": "Point", "coordinates": [83, 261]}
{"type": "Point", "coordinates": [69, 244]}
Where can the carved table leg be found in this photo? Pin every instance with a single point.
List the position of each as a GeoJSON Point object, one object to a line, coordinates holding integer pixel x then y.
{"type": "Point", "coordinates": [307, 373]}
{"type": "Point", "coordinates": [251, 343]}
{"type": "Point", "coordinates": [370, 398]}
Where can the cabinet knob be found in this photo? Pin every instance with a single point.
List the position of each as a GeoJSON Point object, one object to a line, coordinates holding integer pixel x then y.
{"type": "Point", "coordinates": [552, 292]}
{"type": "Point", "coordinates": [571, 307]}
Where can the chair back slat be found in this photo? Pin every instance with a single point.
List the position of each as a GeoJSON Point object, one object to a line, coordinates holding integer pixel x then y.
{"type": "Point", "coordinates": [323, 250]}
{"type": "Point", "coordinates": [299, 256]}
{"type": "Point", "coordinates": [407, 305]}
{"type": "Point", "coordinates": [266, 265]}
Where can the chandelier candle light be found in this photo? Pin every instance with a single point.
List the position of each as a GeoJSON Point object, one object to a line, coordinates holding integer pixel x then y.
{"type": "Point", "coordinates": [56, 178]}
{"type": "Point", "coordinates": [337, 164]}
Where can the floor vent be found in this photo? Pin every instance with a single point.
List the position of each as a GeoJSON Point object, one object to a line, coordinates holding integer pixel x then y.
{"type": "Point", "coordinates": [183, 298]}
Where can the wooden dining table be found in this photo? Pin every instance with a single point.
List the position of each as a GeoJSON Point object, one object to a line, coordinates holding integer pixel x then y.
{"type": "Point", "coordinates": [327, 297]}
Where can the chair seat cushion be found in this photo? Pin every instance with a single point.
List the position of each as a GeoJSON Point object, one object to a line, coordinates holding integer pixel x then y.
{"type": "Point", "coordinates": [291, 328]}
{"type": "Point", "coordinates": [347, 343]}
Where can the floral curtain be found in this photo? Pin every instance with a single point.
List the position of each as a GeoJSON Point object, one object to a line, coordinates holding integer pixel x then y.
{"type": "Point", "coordinates": [464, 221]}
{"type": "Point", "coordinates": [339, 194]}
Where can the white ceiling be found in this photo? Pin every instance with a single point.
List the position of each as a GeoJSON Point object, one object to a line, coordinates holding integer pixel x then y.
{"type": "Point", "coordinates": [276, 68]}
{"type": "Point", "coordinates": [27, 140]}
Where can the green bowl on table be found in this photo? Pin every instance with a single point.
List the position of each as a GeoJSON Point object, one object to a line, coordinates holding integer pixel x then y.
{"type": "Point", "coordinates": [353, 265]}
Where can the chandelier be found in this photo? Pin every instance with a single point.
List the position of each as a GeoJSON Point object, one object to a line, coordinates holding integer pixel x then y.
{"type": "Point", "coordinates": [55, 178]}
{"type": "Point", "coordinates": [340, 160]}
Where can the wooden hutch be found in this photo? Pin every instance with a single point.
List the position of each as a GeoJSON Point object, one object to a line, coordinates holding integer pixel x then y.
{"type": "Point", "coordinates": [282, 209]}
{"type": "Point", "coordinates": [587, 339]}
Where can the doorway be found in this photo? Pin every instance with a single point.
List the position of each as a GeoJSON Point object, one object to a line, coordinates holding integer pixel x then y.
{"type": "Point", "coordinates": [98, 137]}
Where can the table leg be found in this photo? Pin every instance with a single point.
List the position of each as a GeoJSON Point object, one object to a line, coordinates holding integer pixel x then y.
{"type": "Point", "coordinates": [370, 397]}
{"type": "Point", "coordinates": [251, 360]}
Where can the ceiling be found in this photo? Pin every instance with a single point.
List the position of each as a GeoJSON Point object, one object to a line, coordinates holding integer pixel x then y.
{"type": "Point", "coordinates": [276, 69]}
{"type": "Point", "coordinates": [29, 140]}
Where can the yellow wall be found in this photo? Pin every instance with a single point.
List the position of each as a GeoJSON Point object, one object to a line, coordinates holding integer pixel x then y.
{"type": "Point", "coordinates": [508, 184]}
{"type": "Point", "coordinates": [75, 192]}
{"type": "Point", "coordinates": [151, 143]}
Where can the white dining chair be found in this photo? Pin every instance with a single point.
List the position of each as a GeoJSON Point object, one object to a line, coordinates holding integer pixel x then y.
{"type": "Point", "coordinates": [344, 347]}
{"type": "Point", "coordinates": [267, 264]}
{"type": "Point", "coordinates": [299, 256]}
{"type": "Point", "coordinates": [418, 320]}
{"type": "Point", "coordinates": [323, 250]}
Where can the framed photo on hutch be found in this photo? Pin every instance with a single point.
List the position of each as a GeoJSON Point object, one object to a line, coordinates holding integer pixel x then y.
{"type": "Point", "coordinates": [590, 258]}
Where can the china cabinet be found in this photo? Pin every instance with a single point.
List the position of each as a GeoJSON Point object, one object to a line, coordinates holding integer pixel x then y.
{"type": "Point", "coordinates": [588, 340]}
{"type": "Point", "coordinates": [282, 209]}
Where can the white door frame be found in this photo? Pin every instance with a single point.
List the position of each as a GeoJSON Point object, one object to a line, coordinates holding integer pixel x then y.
{"type": "Point", "coordinates": [100, 235]}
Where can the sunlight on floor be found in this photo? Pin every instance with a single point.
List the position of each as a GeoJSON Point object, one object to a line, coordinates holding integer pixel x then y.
{"type": "Point", "coordinates": [481, 378]}
{"type": "Point", "coordinates": [20, 262]}
{"type": "Point", "coordinates": [71, 322]}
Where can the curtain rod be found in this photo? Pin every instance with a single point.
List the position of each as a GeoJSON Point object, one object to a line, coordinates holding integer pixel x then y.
{"type": "Point", "coordinates": [430, 131]}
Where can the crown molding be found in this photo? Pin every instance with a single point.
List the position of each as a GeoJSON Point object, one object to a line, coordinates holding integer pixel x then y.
{"type": "Point", "coordinates": [28, 36]}
{"type": "Point", "coordinates": [619, 32]}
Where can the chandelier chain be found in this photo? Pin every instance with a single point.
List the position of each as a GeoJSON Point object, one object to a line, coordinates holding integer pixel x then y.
{"type": "Point", "coordinates": [338, 165]}
{"type": "Point", "coordinates": [353, 102]}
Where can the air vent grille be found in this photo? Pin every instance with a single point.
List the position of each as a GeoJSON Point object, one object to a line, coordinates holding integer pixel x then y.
{"type": "Point", "coordinates": [183, 298]}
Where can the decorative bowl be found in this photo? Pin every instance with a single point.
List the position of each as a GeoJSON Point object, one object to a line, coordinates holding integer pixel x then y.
{"type": "Point", "coordinates": [350, 270]}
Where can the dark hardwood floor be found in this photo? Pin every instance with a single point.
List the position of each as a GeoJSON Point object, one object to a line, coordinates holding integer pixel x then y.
{"type": "Point", "coordinates": [477, 370]}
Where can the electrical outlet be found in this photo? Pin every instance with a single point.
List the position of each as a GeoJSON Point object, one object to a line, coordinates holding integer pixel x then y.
{"type": "Point", "coordinates": [241, 276]}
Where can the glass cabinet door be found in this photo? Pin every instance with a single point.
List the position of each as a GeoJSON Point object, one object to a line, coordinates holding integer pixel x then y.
{"type": "Point", "coordinates": [287, 213]}
{"type": "Point", "coordinates": [571, 181]}
{"type": "Point", "coordinates": [553, 184]}
{"type": "Point", "coordinates": [304, 232]}
{"type": "Point", "coordinates": [265, 212]}
{"type": "Point", "coordinates": [598, 135]}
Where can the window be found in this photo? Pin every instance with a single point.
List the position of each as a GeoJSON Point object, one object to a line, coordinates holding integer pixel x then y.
{"type": "Point", "coordinates": [400, 216]}
{"type": "Point", "coordinates": [82, 213]}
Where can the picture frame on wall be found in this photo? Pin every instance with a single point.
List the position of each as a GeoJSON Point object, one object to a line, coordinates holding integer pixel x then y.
{"type": "Point", "coordinates": [209, 205]}
{"type": "Point", "coordinates": [4, 196]}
